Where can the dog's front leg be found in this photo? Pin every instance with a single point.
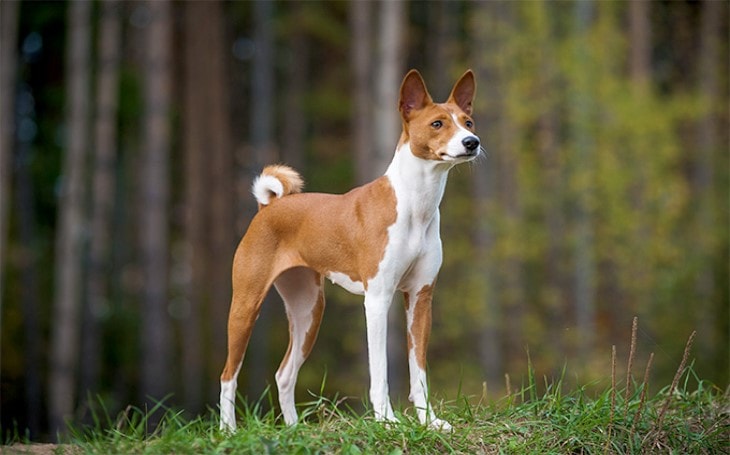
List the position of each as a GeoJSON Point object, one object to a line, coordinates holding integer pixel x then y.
{"type": "Point", "coordinates": [376, 318]}
{"type": "Point", "coordinates": [418, 318]}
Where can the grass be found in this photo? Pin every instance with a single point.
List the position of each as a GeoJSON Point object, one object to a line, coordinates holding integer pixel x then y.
{"type": "Point", "coordinates": [695, 421]}
{"type": "Point", "coordinates": [687, 416]}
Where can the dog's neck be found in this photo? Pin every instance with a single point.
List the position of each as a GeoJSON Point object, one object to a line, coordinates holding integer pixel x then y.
{"type": "Point", "coordinates": [418, 184]}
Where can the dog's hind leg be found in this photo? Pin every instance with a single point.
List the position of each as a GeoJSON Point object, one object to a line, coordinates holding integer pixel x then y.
{"type": "Point", "coordinates": [302, 290]}
{"type": "Point", "coordinates": [250, 285]}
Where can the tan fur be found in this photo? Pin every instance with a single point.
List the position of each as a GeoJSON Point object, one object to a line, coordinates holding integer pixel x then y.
{"type": "Point", "coordinates": [421, 327]}
{"type": "Point", "coordinates": [344, 233]}
{"type": "Point", "coordinates": [289, 178]}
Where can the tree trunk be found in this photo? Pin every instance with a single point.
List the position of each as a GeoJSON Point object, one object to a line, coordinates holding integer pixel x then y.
{"type": "Point", "coordinates": [209, 240]}
{"type": "Point", "coordinates": [292, 152]}
{"type": "Point", "coordinates": [552, 296]}
{"type": "Point", "coordinates": [443, 30]}
{"type": "Point", "coordinates": [488, 36]}
{"type": "Point", "coordinates": [263, 99]}
{"type": "Point", "coordinates": [582, 115]}
{"type": "Point", "coordinates": [703, 178]}
{"type": "Point", "coordinates": [386, 121]}
{"type": "Point", "coordinates": [155, 329]}
{"type": "Point", "coordinates": [221, 212]}
{"type": "Point", "coordinates": [8, 68]}
{"type": "Point", "coordinates": [68, 267]}
{"type": "Point", "coordinates": [640, 76]}
{"type": "Point", "coordinates": [361, 61]}
{"type": "Point", "coordinates": [196, 196]}
{"type": "Point", "coordinates": [28, 265]}
{"type": "Point", "coordinates": [510, 272]}
{"type": "Point", "coordinates": [389, 72]}
{"type": "Point", "coordinates": [640, 40]}
{"type": "Point", "coordinates": [105, 151]}
{"type": "Point", "coordinates": [262, 141]}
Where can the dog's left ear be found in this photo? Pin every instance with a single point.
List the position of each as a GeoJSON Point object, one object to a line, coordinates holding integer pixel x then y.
{"type": "Point", "coordinates": [463, 92]}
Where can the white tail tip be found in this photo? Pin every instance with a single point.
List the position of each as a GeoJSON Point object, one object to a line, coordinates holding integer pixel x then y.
{"type": "Point", "coordinates": [276, 181]}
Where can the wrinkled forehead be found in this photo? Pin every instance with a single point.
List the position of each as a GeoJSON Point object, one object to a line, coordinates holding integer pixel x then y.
{"type": "Point", "coordinates": [446, 109]}
{"type": "Point", "coordinates": [451, 108]}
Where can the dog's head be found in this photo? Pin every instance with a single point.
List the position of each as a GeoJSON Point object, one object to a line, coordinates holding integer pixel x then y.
{"type": "Point", "coordinates": [439, 131]}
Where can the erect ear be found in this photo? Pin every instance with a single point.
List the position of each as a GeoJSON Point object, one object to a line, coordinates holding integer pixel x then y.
{"type": "Point", "coordinates": [463, 92]}
{"type": "Point", "coordinates": [413, 94]}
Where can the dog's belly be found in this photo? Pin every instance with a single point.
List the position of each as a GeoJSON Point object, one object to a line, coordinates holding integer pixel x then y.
{"type": "Point", "coordinates": [344, 281]}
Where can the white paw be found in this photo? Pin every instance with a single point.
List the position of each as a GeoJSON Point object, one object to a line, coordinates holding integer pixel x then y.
{"type": "Point", "coordinates": [228, 426]}
{"type": "Point", "coordinates": [290, 417]}
{"type": "Point", "coordinates": [388, 419]}
{"type": "Point", "coordinates": [441, 425]}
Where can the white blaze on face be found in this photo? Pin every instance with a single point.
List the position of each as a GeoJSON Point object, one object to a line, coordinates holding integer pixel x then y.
{"type": "Point", "coordinates": [455, 148]}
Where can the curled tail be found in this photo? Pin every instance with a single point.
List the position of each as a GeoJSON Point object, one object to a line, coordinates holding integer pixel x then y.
{"type": "Point", "coordinates": [274, 182]}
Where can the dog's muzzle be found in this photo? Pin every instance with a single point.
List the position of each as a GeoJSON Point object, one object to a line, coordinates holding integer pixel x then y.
{"type": "Point", "coordinates": [471, 144]}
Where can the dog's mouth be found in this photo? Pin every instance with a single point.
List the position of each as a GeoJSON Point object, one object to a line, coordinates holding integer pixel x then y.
{"type": "Point", "coordinates": [466, 155]}
{"type": "Point", "coordinates": [469, 153]}
{"type": "Point", "coordinates": [470, 147]}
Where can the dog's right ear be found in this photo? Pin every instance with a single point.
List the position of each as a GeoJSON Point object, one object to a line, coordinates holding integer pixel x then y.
{"type": "Point", "coordinates": [413, 94]}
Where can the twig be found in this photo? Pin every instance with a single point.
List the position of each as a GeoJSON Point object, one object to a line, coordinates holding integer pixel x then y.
{"type": "Point", "coordinates": [632, 350]}
{"type": "Point", "coordinates": [123, 418]}
{"type": "Point", "coordinates": [483, 398]}
{"type": "Point", "coordinates": [677, 375]}
{"type": "Point", "coordinates": [613, 396]}
{"type": "Point", "coordinates": [642, 398]}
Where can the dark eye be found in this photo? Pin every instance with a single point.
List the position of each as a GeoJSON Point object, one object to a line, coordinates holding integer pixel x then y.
{"type": "Point", "coordinates": [437, 124]}
{"type": "Point", "coordinates": [469, 124]}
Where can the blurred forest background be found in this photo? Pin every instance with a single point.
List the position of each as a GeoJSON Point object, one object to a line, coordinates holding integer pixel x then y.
{"type": "Point", "coordinates": [131, 131]}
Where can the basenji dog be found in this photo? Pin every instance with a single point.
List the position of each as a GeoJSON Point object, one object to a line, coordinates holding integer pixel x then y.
{"type": "Point", "coordinates": [375, 240]}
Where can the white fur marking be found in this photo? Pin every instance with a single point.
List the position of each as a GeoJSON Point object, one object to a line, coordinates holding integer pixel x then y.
{"type": "Point", "coordinates": [300, 295]}
{"type": "Point", "coordinates": [376, 319]}
{"type": "Point", "coordinates": [265, 186]}
{"type": "Point", "coordinates": [228, 402]}
{"type": "Point", "coordinates": [455, 148]}
{"type": "Point", "coordinates": [344, 281]}
{"type": "Point", "coordinates": [413, 254]}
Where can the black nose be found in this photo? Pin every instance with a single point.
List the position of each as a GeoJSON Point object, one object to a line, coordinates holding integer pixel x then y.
{"type": "Point", "coordinates": [470, 142]}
